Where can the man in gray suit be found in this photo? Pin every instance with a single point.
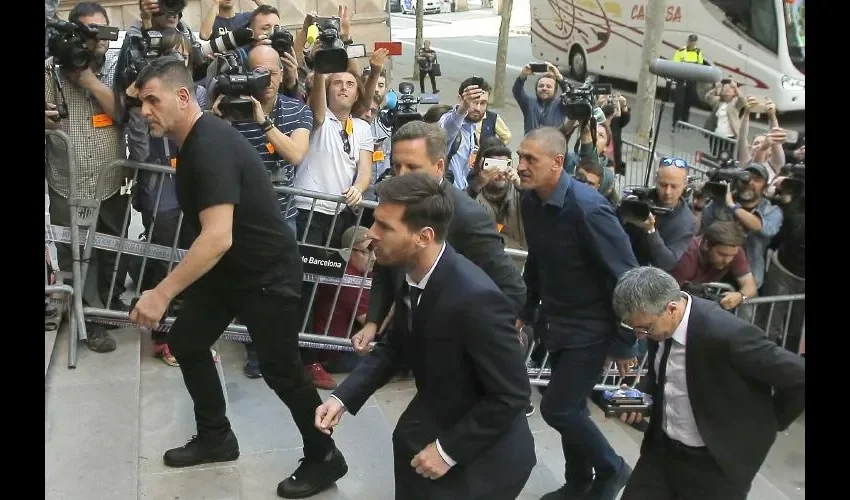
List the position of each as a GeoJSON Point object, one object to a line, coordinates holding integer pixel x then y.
{"type": "Point", "coordinates": [721, 391]}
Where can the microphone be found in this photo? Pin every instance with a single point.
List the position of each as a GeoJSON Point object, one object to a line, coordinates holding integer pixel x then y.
{"type": "Point", "coordinates": [391, 99]}
{"type": "Point", "coordinates": [685, 71]}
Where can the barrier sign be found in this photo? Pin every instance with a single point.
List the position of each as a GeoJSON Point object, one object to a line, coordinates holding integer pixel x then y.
{"type": "Point", "coordinates": [322, 261]}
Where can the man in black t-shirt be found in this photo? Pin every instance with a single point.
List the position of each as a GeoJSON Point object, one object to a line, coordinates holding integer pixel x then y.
{"type": "Point", "coordinates": [243, 261]}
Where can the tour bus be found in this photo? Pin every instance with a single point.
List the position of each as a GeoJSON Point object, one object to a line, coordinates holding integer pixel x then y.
{"type": "Point", "coordinates": [761, 44]}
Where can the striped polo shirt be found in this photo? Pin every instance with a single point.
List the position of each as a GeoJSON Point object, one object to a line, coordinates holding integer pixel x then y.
{"type": "Point", "coordinates": [288, 115]}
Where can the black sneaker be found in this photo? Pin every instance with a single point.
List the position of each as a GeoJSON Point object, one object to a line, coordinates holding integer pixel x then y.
{"type": "Point", "coordinates": [99, 340]}
{"type": "Point", "coordinates": [203, 450]}
{"type": "Point", "coordinates": [607, 489]}
{"type": "Point", "coordinates": [312, 476]}
{"type": "Point", "coordinates": [566, 492]}
{"type": "Point", "coordinates": [529, 409]}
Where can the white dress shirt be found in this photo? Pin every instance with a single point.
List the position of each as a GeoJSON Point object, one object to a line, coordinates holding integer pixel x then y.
{"type": "Point", "coordinates": [421, 284]}
{"type": "Point", "coordinates": [678, 417]}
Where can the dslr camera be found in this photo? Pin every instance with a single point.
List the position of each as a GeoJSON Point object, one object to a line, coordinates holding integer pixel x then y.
{"type": "Point", "coordinates": [580, 100]}
{"type": "Point", "coordinates": [330, 56]}
{"type": "Point", "coordinates": [282, 41]}
{"type": "Point", "coordinates": [171, 7]}
{"type": "Point", "coordinates": [401, 108]}
{"type": "Point", "coordinates": [66, 42]}
{"type": "Point", "coordinates": [233, 82]}
{"type": "Point", "coordinates": [722, 179]}
{"type": "Point", "coordinates": [708, 291]}
{"type": "Point", "coordinates": [638, 203]}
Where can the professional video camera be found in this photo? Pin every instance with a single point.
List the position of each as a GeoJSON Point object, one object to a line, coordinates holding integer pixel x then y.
{"type": "Point", "coordinates": [171, 7]}
{"type": "Point", "coordinates": [579, 100]}
{"type": "Point", "coordinates": [66, 42]}
{"type": "Point", "coordinates": [722, 179]}
{"type": "Point", "coordinates": [233, 82]}
{"type": "Point", "coordinates": [282, 40]}
{"type": "Point", "coordinates": [401, 107]}
{"type": "Point", "coordinates": [141, 51]}
{"type": "Point", "coordinates": [330, 56]}
{"type": "Point", "coordinates": [638, 203]}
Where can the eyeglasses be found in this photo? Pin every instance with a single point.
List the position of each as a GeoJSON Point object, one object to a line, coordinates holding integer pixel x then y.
{"type": "Point", "coordinates": [640, 331]}
{"type": "Point", "coordinates": [677, 162]}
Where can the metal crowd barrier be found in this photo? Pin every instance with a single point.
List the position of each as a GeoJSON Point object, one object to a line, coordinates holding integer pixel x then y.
{"type": "Point", "coordinates": [686, 133]}
{"type": "Point", "coordinates": [777, 315]}
{"type": "Point", "coordinates": [635, 158]}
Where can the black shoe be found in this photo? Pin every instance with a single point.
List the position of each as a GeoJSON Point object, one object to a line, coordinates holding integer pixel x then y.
{"type": "Point", "coordinates": [99, 340]}
{"type": "Point", "coordinates": [436, 91]}
{"type": "Point", "coordinates": [607, 489]}
{"type": "Point", "coordinates": [252, 366]}
{"type": "Point", "coordinates": [203, 450]}
{"type": "Point", "coordinates": [529, 409]}
{"type": "Point", "coordinates": [313, 476]}
{"type": "Point", "coordinates": [567, 492]}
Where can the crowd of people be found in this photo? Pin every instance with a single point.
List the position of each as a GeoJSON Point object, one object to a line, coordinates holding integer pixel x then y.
{"type": "Point", "coordinates": [451, 198]}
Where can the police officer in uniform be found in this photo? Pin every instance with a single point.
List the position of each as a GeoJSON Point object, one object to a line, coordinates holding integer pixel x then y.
{"type": "Point", "coordinates": [686, 90]}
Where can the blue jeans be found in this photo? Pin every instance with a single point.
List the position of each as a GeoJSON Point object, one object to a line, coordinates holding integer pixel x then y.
{"type": "Point", "coordinates": [564, 407]}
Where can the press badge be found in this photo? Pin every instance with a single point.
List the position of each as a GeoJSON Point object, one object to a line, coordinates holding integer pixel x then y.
{"type": "Point", "coordinates": [101, 120]}
{"type": "Point", "coordinates": [270, 148]}
{"type": "Point", "coordinates": [378, 155]}
{"type": "Point", "coordinates": [173, 162]}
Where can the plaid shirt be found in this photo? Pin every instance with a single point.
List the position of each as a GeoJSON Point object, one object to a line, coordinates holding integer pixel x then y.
{"type": "Point", "coordinates": [94, 148]}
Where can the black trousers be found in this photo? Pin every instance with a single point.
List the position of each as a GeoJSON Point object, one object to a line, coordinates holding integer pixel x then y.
{"type": "Point", "coordinates": [422, 75]}
{"type": "Point", "coordinates": [110, 220]}
{"type": "Point", "coordinates": [272, 321]}
{"type": "Point", "coordinates": [686, 96]}
{"type": "Point", "coordinates": [671, 471]}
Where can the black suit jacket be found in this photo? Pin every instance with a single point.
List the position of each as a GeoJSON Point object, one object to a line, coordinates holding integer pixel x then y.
{"type": "Point", "coordinates": [742, 387]}
{"type": "Point", "coordinates": [474, 235]}
{"type": "Point", "coordinates": [471, 381]}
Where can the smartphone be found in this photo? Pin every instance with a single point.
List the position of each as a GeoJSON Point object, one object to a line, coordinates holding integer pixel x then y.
{"type": "Point", "coordinates": [394, 48]}
{"type": "Point", "coordinates": [725, 81]}
{"type": "Point", "coordinates": [356, 51]}
{"type": "Point", "coordinates": [496, 164]}
{"type": "Point", "coordinates": [599, 115]}
{"type": "Point", "coordinates": [539, 68]}
{"type": "Point", "coordinates": [759, 107]}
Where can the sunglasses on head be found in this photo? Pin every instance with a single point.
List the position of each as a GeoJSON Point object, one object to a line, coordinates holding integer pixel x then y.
{"type": "Point", "coordinates": [677, 162]}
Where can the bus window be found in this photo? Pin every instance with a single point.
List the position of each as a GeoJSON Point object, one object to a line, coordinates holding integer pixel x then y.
{"type": "Point", "coordinates": [756, 18]}
{"type": "Point", "coordinates": [795, 27]}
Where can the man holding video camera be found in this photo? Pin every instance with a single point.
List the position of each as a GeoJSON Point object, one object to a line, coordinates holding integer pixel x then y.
{"type": "Point", "coordinates": [154, 15]}
{"type": "Point", "coordinates": [78, 99]}
{"type": "Point", "coordinates": [744, 204]}
{"type": "Point", "coordinates": [661, 240]}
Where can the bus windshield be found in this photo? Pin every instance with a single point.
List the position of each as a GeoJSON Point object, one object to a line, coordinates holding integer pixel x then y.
{"type": "Point", "coordinates": [795, 28]}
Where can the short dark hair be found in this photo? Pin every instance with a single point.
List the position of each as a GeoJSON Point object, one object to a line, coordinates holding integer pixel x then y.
{"type": "Point", "coordinates": [725, 233]}
{"type": "Point", "coordinates": [466, 83]}
{"type": "Point", "coordinates": [171, 70]}
{"type": "Point", "coordinates": [264, 9]}
{"type": "Point", "coordinates": [435, 112]}
{"type": "Point", "coordinates": [435, 138]}
{"type": "Point", "coordinates": [591, 166]}
{"type": "Point", "coordinates": [86, 9]}
{"type": "Point", "coordinates": [427, 201]}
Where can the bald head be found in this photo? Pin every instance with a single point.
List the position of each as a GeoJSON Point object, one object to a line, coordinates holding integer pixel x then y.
{"type": "Point", "coordinates": [265, 56]}
{"type": "Point", "coordinates": [670, 184]}
{"type": "Point", "coordinates": [551, 138]}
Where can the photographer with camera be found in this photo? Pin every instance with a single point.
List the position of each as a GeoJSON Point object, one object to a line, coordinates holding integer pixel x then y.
{"type": "Point", "coordinates": [660, 240]}
{"type": "Point", "coordinates": [787, 272]}
{"type": "Point", "coordinates": [766, 148]}
{"type": "Point", "coordinates": [78, 99]}
{"type": "Point", "coordinates": [743, 203]}
{"type": "Point", "coordinates": [467, 125]}
{"type": "Point", "coordinates": [545, 109]}
{"type": "Point", "coordinates": [718, 257]}
{"type": "Point", "coordinates": [222, 18]}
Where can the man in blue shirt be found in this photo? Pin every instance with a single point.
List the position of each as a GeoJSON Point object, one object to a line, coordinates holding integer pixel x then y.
{"type": "Point", "coordinates": [577, 250]}
{"type": "Point", "coordinates": [222, 18]}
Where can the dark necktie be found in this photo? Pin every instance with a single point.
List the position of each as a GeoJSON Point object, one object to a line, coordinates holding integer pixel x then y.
{"type": "Point", "coordinates": [413, 294]}
{"type": "Point", "coordinates": [658, 398]}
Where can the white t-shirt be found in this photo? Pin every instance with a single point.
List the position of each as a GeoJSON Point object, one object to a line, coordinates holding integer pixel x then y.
{"type": "Point", "coordinates": [723, 128]}
{"type": "Point", "coordinates": [326, 167]}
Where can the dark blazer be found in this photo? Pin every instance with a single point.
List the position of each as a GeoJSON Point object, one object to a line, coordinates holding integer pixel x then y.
{"type": "Point", "coordinates": [742, 387]}
{"type": "Point", "coordinates": [474, 235]}
{"type": "Point", "coordinates": [471, 381]}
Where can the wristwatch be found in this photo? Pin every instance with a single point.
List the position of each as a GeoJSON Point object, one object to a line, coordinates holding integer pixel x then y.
{"type": "Point", "coordinates": [744, 298]}
{"type": "Point", "coordinates": [267, 125]}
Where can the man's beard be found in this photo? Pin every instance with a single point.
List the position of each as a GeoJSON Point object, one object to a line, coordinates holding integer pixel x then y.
{"type": "Point", "coordinates": [495, 192]}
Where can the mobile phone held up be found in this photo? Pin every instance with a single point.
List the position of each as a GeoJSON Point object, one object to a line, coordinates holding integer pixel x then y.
{"type": "Point", "coordinates": [394, 48]}
{"type": "Point", "coordinates": [538, 67]}
{"type": "Point", "coordinates": [502, 165]}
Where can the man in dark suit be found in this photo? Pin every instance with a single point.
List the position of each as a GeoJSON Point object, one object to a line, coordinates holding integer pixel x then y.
{"type": "Point", "coordinates": [721, 390]}
{"type": "Point", "coordinates": [577, 249]}
{"type": "Point", "coordinates": [420, 147]}
{"type": "Point", "coordinates": [464, 434]}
